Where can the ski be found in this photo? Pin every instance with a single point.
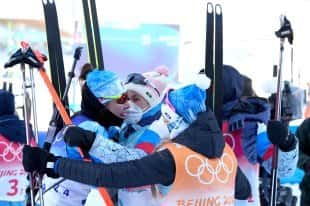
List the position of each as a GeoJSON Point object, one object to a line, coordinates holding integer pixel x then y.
{"type": "Point", "coordinates": [93, 33]}
{"type": "Point", "coordinates": [214, 59]}
{"type": "Point", "coordinates": [54, 47]}
{"type": "Point", "coordinates": [218, 65]}
{"type": "Point", "coordinates": [96, 33]}
{"type": "Point", "coordinates": [209, 70]}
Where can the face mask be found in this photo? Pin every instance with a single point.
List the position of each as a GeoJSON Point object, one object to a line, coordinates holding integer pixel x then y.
{"type": "Point", "coordinates": [133, 114]}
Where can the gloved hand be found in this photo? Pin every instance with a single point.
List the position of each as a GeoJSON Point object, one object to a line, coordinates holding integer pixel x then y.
{"type": "Point", "coordinates": [38, 160]}
{"type": "Point", "coordinates": [77, 137]}
{"type": "Point", "coordinates": [278, 135]}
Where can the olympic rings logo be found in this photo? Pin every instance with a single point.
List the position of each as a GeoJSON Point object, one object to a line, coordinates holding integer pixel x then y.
{"type": "Point", "coordinates": [207, 172]}
{"type": "Point", "coordinates": [230, 140]}
{"type": "Point", "coordinates": [10, 151]}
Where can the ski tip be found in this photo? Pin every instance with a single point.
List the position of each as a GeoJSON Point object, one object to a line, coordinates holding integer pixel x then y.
{"type": "Point", "coordinates": [209, 8]}
{"type": "Point", "coordinates": [218, 9]}
{"type": "Point", "coordinates": [45, 2]}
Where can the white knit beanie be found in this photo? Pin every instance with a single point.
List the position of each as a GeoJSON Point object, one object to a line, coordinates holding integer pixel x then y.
{"type": "Point", "coordinates": [152, 92]}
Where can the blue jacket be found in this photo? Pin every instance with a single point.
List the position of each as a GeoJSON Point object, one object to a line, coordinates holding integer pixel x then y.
{"type": "Point", "coordinates": [251, 112]}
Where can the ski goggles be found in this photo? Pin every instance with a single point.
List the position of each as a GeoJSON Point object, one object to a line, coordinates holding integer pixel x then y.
{"type": "Point", "coordinates": [137, 78]}
{"type": "Point", "coordinates": [120, 99]}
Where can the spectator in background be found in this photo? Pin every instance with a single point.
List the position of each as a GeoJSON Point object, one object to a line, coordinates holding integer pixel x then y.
{"type": "Point", "coordinates": [248, 130]}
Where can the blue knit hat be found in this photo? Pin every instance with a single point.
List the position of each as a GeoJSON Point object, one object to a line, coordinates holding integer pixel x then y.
{"type": "Point", "coordinates": [103, 83]}
{"type": "Point", "coordinates": [7, 103]}
{"type": "Point", "coordinates": [188, 101]}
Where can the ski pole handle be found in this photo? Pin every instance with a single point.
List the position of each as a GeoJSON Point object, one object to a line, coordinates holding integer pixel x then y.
{"type": "Point", "coordinates": [77, 53]}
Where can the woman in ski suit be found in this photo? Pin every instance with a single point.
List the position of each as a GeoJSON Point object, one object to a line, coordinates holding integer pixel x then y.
{"type": "Point", "coordinates": [177, 165]}
{"type": "Point", "coordinates": [145, 93]}
{"type": "Point", "coordinates": [246, 119]}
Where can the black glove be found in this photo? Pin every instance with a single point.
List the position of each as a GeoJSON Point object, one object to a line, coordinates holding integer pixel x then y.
{"type": "Point", "coordinates": [278, 135]}
{"type": "Point", "coordinates": [77, 137]}
{"type": "Point", "coordinates": [35, 159]}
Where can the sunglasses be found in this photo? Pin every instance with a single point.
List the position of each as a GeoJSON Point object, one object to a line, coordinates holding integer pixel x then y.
{"type": "Point", "coordinates": [120, 99]}
{"type": "Point", "coordinates": [137, 78]}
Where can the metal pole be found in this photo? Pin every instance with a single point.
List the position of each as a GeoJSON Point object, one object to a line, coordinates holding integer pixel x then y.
{"type": "Point", "coordinates": [34, 106]}
{"type": "Point", "coordinates": [27, 123]}
{"type": "Point", "coordinates": [35, 122]}
{"type": "Point", "coordinates": [274, 172]}
{"type": "Point", "coordinates": [77, 55]}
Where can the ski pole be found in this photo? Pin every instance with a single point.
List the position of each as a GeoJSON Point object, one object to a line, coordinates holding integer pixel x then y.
{"type": "Point", "coordinates": [26, 119]}
{"type": "Point", "coordinates": [209, 53]}
{"type": "Point", "coordinates": [35, 121]}
{"type": "Point", "coordinates": [77, 55]}
{"type": "Point", "coordinates": [284, 32]}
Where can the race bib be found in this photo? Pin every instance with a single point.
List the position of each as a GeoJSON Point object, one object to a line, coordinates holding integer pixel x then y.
{"type": "Point", "coordinates": [13, 178]}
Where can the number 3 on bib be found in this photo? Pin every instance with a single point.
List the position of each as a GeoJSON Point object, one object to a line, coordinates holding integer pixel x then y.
{"type": "Point", "coordinates": [13, 187]}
